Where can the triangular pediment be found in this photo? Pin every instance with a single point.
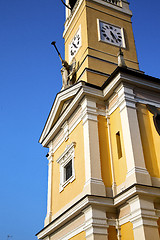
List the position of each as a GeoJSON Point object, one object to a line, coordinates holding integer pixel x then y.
{"type": "Point", "coordinates": [61, 102]}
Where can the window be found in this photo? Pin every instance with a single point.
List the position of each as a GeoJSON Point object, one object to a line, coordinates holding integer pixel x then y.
{"type": "Point", "coordinates": [68, 171]}
{"type": "Point", "coordinates": [66, 161]}
{"type": "Point", "coordinates": [119, 148]}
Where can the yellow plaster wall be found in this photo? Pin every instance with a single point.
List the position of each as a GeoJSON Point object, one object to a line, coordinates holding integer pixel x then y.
{"type": "Point", "coordinates": [112, 233]}
{"type": "Point", "coordinates": [60, 199]}
{"type": "Point", "coordinates": [104, 151]}
{"type": "Point", "coordinates": [127, 231]}
{"type": "Point", "coordinates": [120, 165]}
{"type": "Point", "coordinates": [150, 141]}
{"type": "Point", "coordinates": [80, 236]}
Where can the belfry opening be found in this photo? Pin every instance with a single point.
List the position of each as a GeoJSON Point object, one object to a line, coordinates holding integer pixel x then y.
{"type": "Point", "coordinates": [72, 3]}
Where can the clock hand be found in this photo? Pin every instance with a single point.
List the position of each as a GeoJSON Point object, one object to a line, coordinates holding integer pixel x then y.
{"type": "Point", "coordinates": [74, 45]}
{"type": "Point", "coordinates": [113, 35]}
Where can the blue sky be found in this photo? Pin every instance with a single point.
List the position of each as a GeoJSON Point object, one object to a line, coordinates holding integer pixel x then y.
{"type": "Point", "coordinates": [29, 80]}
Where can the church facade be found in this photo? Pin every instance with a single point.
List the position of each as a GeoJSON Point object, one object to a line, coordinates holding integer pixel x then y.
{"type": "Point", "coordinates": [103, 132]}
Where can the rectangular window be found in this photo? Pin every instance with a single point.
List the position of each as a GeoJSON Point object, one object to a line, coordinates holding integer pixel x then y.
{"type": "Point", "coordinates": [119, 147]}
{"type": "Point", "coordinates": [68, 170]}
{"type": "Point", "coordinates": [66, 162]}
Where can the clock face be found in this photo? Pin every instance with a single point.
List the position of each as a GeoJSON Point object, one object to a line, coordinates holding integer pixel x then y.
{"type": "Point", "coordinates": [111, 34]}
{"type": "Point", "coordinates": [75, 45]}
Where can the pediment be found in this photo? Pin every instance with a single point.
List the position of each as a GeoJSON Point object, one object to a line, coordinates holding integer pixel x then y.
{"type": "Point", "coordinates": [61, 102]}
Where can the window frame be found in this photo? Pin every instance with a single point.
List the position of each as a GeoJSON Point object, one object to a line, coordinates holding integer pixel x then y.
{"type": "Point", "coordinates": [67, 156]}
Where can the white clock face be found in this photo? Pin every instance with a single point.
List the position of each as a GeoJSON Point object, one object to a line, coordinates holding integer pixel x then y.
{"type": "Point", "coordinates": [111, 34]}
{"type": "Point", "coordinates": [75, 45]}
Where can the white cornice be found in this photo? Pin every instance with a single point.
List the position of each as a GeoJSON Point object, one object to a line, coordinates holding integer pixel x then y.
{"type": "Point", "coordinates": [74, 211]}
{"type": "Point", "coordinates": [136, 190]}
{"type": "Point", "coordinates": [109, 204]}
{"type": "Point", "coordinates": [131, 80]}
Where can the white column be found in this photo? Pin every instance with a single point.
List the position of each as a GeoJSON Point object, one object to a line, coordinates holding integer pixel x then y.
{"type": "Point", "coordinates": [95, 223]}
{"type": "Point", "coordinates": [144, 219]}
{"type": "Point", "coordinates": [137, 172]}
{"type": "Point", "coordinates": [94, 184]}
{"type": "Point", "coordinates": [49, 197]}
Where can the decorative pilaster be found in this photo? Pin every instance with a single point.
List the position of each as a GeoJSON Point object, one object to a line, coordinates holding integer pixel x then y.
{"type": "Point", "coordinates": [49, 197]}
{"type": "Point", "coordinates": [137, 172]}
{"type": "Point", "coordinates": [94, 184]}
{"type": "Point", "coordinates": [144, 219]}
{"type": "Point", "coordinates": [95, 224]}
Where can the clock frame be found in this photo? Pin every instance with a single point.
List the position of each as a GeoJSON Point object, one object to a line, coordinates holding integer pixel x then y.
{"type": "Point", "coordinates": [111, 34]}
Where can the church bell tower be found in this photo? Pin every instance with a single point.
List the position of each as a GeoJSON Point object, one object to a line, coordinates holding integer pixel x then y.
{"type": "Point", "coordinates": [103, 132]}
{"type": "Point", "coordinates": [94, 32]}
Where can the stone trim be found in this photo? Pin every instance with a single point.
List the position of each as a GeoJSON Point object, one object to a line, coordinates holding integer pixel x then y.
{"type": "Point", "coordinates": [67, 156]}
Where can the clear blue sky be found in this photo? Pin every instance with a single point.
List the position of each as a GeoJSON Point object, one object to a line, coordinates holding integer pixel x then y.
{"type": "Point", "coordinates": [29, 80]}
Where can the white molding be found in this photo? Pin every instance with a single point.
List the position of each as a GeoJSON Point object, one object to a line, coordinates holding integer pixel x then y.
{"type": "Point", "coordinates": [125, 96]}
{"type": "Point", "coordinates": [95, 221]}
{"type": "Point", "coordinates": [73, 233]}
{"type": "Point", "coordinates": [60, 98]}
{"type": "Point", "coordinates": [89, 111]}
{"type": "Point", "coordinates": [67, 156]}
{"type": "Point", "coordinates": [147, 101]}
{"type": "Point", "coordinates": [49, 193]}
{"type": "Point", "coordinates": [93, 178]}
{"type": "Point", "coordinates": [83, 90]}
{"type": "Point", "coordinates": [137, 170]}
{"type": "Point", "coordinates": [67, 128]}
{"type": "Point", "coordinates": [142, 212]}
{"type": "Point", "coordinates": [129, 79]}
{"type": "Point", "coordinates": [77, 205]}
{"type": "Point", "coordinates": [125, 219]}
{"type": "Point", "coordinates": [73, 209]}
{"type": "Point", "coordinates": [139, 81]}
{"type": "Point", "coordinates": [65, 217]}
{"type": "Point", "coordinates": [155, 181]}
{"type": "Point", "coordinates": [95, 93]}
{"type": "Point", "coordinates": [70, 125]}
